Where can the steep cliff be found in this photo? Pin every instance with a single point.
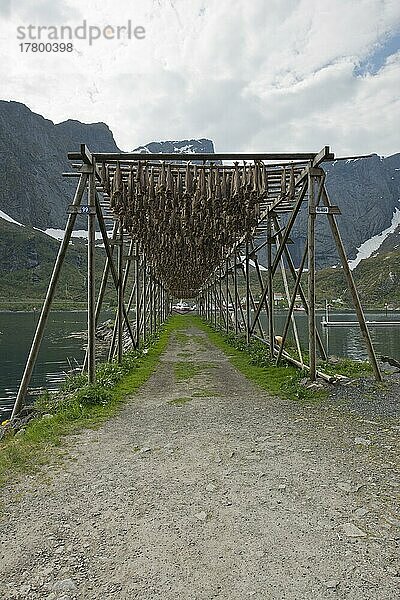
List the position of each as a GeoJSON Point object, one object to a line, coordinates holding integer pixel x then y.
{"type": "Point", "coordinates": [33, 152]}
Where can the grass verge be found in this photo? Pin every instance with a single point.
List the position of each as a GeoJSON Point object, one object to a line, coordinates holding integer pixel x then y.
{"type": "Point", "coordinates": [284, 380]}
{"type": "Point", "coordinates": [78, 405]}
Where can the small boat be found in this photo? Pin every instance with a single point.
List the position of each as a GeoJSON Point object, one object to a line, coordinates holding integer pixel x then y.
{"type": "Point", "coordinates": [182, 307]}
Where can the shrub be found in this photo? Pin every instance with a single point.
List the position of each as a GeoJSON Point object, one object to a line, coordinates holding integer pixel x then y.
{"type": "Point", "coordinates": [91, 394]}
{"type": "Point", "coordinates": [73, 382]}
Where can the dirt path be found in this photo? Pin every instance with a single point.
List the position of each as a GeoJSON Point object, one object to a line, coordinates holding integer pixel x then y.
{"type": "Point", "coordinates": [208, 488]}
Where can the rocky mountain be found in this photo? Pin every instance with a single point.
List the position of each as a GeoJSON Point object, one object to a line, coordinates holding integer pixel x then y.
{"type": "Point", "coordinates": [34, 149]}
{"type": "Point", "coordinates": [367, 190]}
{"type": "Point", "coordinates": [178, 147]}
{"type": "Point", "coordinates": [33, 152]}
{"type": "Point", "coordinates": [202, 145]}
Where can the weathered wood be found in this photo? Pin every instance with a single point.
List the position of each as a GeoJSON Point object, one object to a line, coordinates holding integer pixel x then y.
{"type": "Point", "coordinates": [302, 295]}
{"type": "Point", "coordinates": [352, 288]}
{"type": "Point", "coordinates": [137, 304]}
{"type": "Point", "coordinates": [312, 348]}
{"type": "Point", "coordinates": [202, 156]}
{"type": "Point", "coordinates": [91, 282]}
{"type": "Point", "coordinates": [291, 305]}
{"type": "Point", "coordinates": [42, 321]}
{"type": "Point", "coordinates": [270, 288]}
{"type": "Point", "coordinates": [248, 310]}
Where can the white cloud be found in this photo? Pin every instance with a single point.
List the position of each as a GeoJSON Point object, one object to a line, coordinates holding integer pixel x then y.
{"type": "Point", "coordinates": [276, 75]}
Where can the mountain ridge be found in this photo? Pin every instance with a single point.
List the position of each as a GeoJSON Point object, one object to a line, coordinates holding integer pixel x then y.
{"type": "Point", "coordinates": [33, 192]}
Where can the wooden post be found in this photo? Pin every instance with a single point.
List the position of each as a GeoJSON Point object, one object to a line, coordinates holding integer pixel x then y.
{"type": "Point", "coordinates": [311, 276]}
{"type": "Point", "coordinates": [227, 314]}
{"type": "Point", "coordinates": [292, 270]}
{"type": "Point", "coordinates": [137, 306]}
{"type": "Point", "coordinates": [114, 273]}
{"type": "Point", "coordinates": [235, 288]}
{"type": "Point", "coordinates": [91, 281]}
{"type": "Point", "coordinates": [38, 337]}
{"type": "Point", "coordinates": [287, 293]}
{"type": "Point", "coordinates": [120, 341]}
{"type": "Point", "coordinates": [352, 288]}
{"type": "Point", "coordinates": [271, 311]}
{"type": "Point", "coordinates": [104, 279]}
{"type": "Point", "coordinates": [150, 300]}
{"type": "Point", "coordinates": [221, 314]}
{"type": "Point", "coordinates": [236, 300]}
{"type": "Point", "coordinates": [261, 282]}
{"type": "Point", "coordinates": [248, 310]}
{"type": "Point", "coordinates": [283, 241]}
{"type": "Point", "coordinates": [256, 321]}
{"type": "Point", "coordinates": [291, 305]}
{"type": "Point", "coordinates": [144, 296]}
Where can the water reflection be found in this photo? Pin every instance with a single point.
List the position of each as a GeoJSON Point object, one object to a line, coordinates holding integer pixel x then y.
{"type": "Point", "coordinates": [347, 341]}
{"type": "Point", "coordinates": [58, 352]}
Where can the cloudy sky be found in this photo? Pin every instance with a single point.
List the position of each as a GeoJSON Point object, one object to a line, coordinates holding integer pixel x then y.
{"type": "Point", "coordinates": [252, 75]}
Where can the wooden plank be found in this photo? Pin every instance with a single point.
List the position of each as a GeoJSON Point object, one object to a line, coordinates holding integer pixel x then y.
{"type": "Point", "coordinates": [188, 156]}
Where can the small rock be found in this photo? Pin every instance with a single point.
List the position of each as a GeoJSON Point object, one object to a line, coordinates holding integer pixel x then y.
{"type": "Point", "coordinates": [24, 589]}
{"type": "Point", "coordinates": [145, 449]}
{"type": "Point", "coordinates": [315, 386]}
{"type": "Point", "coordinates": [352, 530]}
{"type": "Point", "coordinates": [345, 487]}
{"type": "Point", "coordinates": [282, 487]}
{"type": "Point", "coordinates": [210, 488]}
{"type": "Point", "coordinates": [359, 441]}
{"type": "Point", "coordinates": [201, 516]}
{"type": "Point", "coordinates": [65, 585]}
{"type": "Point", "coordinates": [360, 512]}
{"type": "Point", "coordinates": [332, 584]}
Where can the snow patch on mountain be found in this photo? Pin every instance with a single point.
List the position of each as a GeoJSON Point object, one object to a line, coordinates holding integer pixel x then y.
{"type": "Point", "coordinates": [370, 246]}
{"type": "Point", "coordinates": [58, 234]}
{"type": "Point", "coordinates": [6, 217]}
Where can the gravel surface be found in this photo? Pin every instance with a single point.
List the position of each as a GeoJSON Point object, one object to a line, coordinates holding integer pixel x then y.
{"type": "Point", "coordinates": [210, 488]}
{"type": "Point", "coordinates": [367, 397]}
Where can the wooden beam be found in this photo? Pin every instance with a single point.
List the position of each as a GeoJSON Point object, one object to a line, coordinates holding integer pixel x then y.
{"type": "Point", "coordinates": [201, 156]}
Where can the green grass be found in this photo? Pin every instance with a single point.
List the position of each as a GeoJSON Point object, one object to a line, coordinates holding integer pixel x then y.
{"type": "Point", "coordinates": [254, 363]}
{"type": "Point", "coordinates": [77, 406]}
{"type": "Point", "coordinates": [346, 367]}
{"type": "Point", "coordinates": [182, 337]}
{"type": "Point", "coordinates": [185, 370]}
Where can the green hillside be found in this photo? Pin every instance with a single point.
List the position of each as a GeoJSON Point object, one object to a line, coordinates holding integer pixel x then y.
{"type": "Point", "coordinates": [27, 257]}
{"type": "Point", "coordinates": [26, 261]}
{"type": "Point", "coordinates": [377, 280]}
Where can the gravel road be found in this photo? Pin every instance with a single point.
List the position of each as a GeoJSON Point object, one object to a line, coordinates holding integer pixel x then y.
{"type": "Point", "coordinates": [210, 488]}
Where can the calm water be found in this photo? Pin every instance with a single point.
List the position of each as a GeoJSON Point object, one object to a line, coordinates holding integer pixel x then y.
{"type": "Point", "coordinates": [348, 341]}
{"type": "Point", "coordinates": [63, 347]}
{"type": "Point", "coordinates": [59, 349]}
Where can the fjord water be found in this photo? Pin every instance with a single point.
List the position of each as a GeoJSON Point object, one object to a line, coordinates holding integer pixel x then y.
{"type": "Point", "coordinates": [63, 345]}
